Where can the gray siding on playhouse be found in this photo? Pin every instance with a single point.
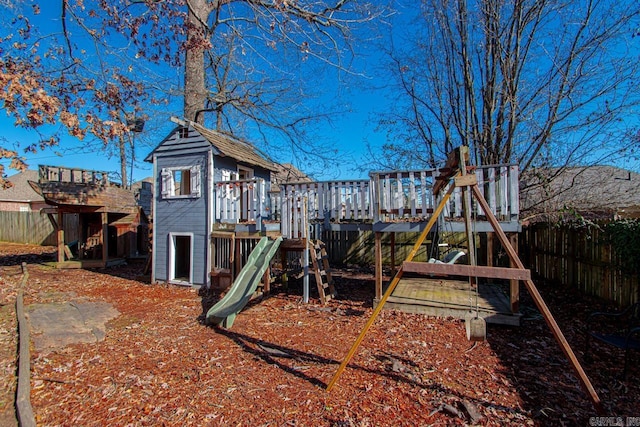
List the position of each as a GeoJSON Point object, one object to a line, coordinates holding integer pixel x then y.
{"type": "Point", "coordinates": [191, 215]}
{"type": "Point", "coordinates": [230, 164]}
{"type": "Point", "coordinates": [182, 215]}
{"type": "Point", "coordinates": [174, 145]}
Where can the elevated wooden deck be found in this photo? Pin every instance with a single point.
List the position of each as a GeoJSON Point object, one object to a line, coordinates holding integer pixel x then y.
{"type": "Point", "coordinates": [79, 190]}
{"type": "Point", "coordinates": [393, 201]}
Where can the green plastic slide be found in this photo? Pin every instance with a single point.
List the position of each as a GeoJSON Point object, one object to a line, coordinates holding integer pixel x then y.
{"type": "Point", "coordinates": [224, 312]}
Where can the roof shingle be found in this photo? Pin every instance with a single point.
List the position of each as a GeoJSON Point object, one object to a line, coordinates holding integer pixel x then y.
{"type": "Point", "coordinates": [232, 147]}
{"type": "Point", "coordinates": [21, 191]}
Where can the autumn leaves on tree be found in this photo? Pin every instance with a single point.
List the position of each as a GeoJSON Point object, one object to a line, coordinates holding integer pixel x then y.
{"type": "Point", "coordinates": [89, 65]}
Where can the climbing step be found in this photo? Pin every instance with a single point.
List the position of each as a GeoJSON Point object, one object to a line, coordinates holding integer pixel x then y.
{"type": "Point", "coordinates": [320, 263]}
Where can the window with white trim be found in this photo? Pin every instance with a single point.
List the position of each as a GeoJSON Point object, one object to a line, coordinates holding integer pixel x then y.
{"type": "Point", "coordinates": [180, 182]}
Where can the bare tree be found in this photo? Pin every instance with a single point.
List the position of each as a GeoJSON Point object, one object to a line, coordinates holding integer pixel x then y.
{"type": "Point", "coordinates": [255, 64]}
{"type": "Point", "coordinates": [70, 75]}
{"type": "Point", "coordinates": [533, 82]}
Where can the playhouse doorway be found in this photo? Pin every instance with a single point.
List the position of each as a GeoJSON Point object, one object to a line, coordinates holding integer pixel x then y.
{"type": "Point", "coordinates": [181, 258]}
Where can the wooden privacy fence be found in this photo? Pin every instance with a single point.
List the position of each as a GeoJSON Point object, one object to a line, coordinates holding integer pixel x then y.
{"type": "Point", "coordinates": [34, 228]}
{"type": "Point", "coordinates": [26, 227]}
{"type": "Point", "coordinates": [357, 247]}
{"type": "Point", "coordinates": [581, 258]}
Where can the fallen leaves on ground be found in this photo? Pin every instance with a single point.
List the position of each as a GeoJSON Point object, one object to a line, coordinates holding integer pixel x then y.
{"type": "Point", "coordinates": [159, 365]}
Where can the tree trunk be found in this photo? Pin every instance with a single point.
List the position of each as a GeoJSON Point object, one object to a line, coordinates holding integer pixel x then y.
{"type": "Point", "coordinates": [123, 161]}
{"type": "Point", "coordinates": [195, 94]}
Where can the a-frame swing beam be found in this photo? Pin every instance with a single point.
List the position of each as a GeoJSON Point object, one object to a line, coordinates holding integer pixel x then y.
{"type": "Point", "coordinates": [533, 291]}
{"type": "Point", "coordinates": [542, 306]}
{"type": "Point", "coordinates": [467, 270]}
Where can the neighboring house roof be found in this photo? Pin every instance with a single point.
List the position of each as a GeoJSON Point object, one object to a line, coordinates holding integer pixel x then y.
{"type": "Point", "coordinates": [598, 191]}
{"type": "Point", "coordinates": [285, 173]}
{"type": "Point", "coordinates": [21, 191]}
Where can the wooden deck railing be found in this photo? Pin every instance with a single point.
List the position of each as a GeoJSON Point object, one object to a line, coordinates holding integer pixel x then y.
{"type": "Point", "coordinates": [335, 200]}
{"type": "Point", "coordinates": [332, 201]}
{"type": "Point", "coordinates": [499, 186]}
{"type": "Point", "coordinates": [241, 201]}
{"type": "Point", "coordinates": [395, 196]}
{"type": "Point", "coordinates": [403, 194]}
{"type": "Point", "coordinates": [409, 194]}
{"type": "Point", "coordinates": [71, 175]}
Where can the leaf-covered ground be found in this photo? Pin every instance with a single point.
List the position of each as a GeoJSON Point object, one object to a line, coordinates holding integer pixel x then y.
{"type": "Point", "coordinates": [159, 365]}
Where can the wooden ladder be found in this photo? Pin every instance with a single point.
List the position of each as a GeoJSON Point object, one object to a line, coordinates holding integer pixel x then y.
{"type": "Point", "coordinates": [324, 280]}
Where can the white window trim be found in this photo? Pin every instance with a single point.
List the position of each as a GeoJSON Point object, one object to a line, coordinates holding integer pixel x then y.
{"type": "Point", "coordinates": [248, 171]}
{"type": "Point", "coordinates": [167, 185]}
{"type": "Point", "coordinates": [172, 252]}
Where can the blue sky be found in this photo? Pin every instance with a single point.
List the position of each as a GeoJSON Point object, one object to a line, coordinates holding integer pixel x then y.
{"type": "Point", "coordinates": [349, 132]}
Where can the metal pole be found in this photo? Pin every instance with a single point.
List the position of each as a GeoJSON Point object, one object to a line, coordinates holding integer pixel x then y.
{"type": "Point", "coordinates": [305, 256]}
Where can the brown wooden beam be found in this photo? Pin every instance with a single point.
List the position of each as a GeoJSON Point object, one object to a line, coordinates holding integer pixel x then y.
{"type": "Point", "coordinates": [514, 285]}
{"type": "Point", "coordinates": [378, 264]}
{"type": "Point", "coordinates": [466, 270]}
{"type": "Point", "coordinates": [60, 236]}
{"type": "Point", "coordinates": [542, 306]}
{"type": "Point", "coordinates": [52, 220]}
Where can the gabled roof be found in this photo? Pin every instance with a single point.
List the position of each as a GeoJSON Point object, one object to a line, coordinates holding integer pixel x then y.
{"type": "Point", "coordinates": [224, 144]}
{"type": "Point", "coordinates": [233, 147]}
{"type": "Point", "coordinates": [21, 191]}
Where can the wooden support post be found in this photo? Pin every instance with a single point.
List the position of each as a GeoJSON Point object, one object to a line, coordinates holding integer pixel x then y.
{"type": "Point", "coordinates": [60, 234]}
{"type": "Point", "coordinates": [489, 249]}
{"type": "Point", "coordinates": [266, 281]}
{"type": "Point", "coordinates": [393, 251]}
{"type": "Point", "coordinates": [82, 238]}
{"type": "Point", "coordinates": [514, 288]}
{"type": "Point", "coordinates": [542, 306]}
{"type": "Point", "coordinates": [283, 266]}
{"type": "Point", "coordinates": [378, 263]}
{"type": "Point", "coordinates": [237, 259]}
{"type": "Point", "coordinates": [105, 237]}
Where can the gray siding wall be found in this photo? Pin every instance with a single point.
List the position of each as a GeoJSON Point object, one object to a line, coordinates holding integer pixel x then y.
{"type": "Point", "coordinates": [227, 163]}
{"type": "Point", "coordinates": [187, 215]}
{"type": "Point", "coordinates": [182, 215]}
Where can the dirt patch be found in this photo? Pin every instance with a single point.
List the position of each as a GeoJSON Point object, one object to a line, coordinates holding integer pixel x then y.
{"type": "Point", "coordinates": [56, 325]}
